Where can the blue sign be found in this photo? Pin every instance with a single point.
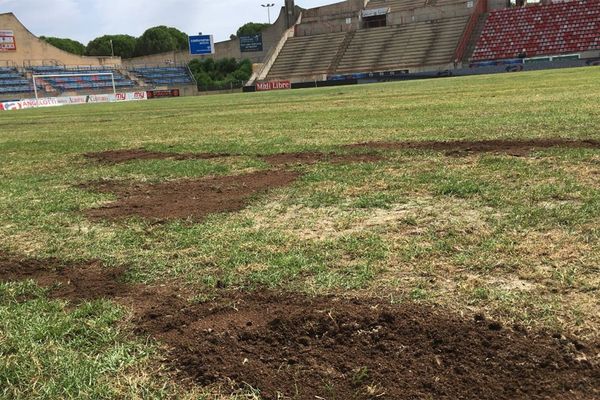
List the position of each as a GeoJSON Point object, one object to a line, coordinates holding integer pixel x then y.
{"type": "Point", "coordinates": [250, 43]}
{"type": "Point", "coordinates": [200, 45]}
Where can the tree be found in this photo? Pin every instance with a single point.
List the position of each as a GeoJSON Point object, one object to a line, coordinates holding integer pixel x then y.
{"type": "Point", "coordinates": [251, 28]}
{"type": "Point", "coordinates": [221, 73]}
{"type": "Point", "coordinates": [124, 46]}
{"type": "Point", "coordinates": [182, 39]}
{"type": "Point", "coordinates": [160, 39]}
{"type": "Point", "coordinates": [68, 45]}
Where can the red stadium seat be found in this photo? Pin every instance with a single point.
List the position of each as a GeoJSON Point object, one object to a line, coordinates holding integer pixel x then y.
{"type": "Point", "coordinates": [542, 30]}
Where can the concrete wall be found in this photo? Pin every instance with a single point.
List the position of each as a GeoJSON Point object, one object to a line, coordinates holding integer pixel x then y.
{"type": "Point", "coordinates": [430, 13]}
{"type": "Point", "coordinates": [33, 51]}
{"type": "Point", "coordinates": [346, 16]}
{"type": "Point", "coordinates": [338, 17]}
{"type": "Point", "coordinates": [226, 49]}
{"type": "Point", "coordinates": [497, 4]}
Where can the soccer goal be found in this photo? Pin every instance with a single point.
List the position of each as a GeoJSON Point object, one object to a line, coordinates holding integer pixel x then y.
{"type": "Point", "coordinates": [55, 80]}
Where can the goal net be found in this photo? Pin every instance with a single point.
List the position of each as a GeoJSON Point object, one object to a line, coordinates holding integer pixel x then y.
{"type": "Point", "coordinates": [57, 84]}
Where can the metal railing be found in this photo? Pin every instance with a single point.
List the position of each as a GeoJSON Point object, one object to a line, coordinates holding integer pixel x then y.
{"type": "Point", "coordinates": [479, 9]}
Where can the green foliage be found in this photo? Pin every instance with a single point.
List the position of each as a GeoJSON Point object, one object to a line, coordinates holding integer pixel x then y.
{"type": "Point", "coordinates": [251, 28]}
{"type": "Point", "coordinates": [68, 45]}
{"type": "Point", "coordinates": [161, 39]}
{"type": "Point", "coordinates": [124, 46]}
{"type": "Point", "coordinates": [220, 73]}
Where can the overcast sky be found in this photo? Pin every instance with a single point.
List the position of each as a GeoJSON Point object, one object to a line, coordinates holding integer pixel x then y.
{"type": "Point", "coordinates": [84, 20]}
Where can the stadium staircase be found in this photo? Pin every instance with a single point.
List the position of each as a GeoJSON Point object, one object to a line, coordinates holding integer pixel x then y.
{"type": "Point", "coordinates": [341, 51]}
{"type": "Point", "coordinates": [474, 38]}
{"type": "Point", "coordinates": [543, 30]}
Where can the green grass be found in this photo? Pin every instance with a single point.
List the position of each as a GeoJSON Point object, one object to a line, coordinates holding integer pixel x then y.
{"type": "Point", "coordinates": [515, 237]}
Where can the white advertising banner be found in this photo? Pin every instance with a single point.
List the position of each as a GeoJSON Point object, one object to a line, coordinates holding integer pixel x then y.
{"type": "Point", "coordinates": [68, 100]}
{"type": "Point", "coordinates": [7, 40]}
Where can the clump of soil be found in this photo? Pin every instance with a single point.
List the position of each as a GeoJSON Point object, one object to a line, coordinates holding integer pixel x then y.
{"type": "Point", "coordinates": [187, 199]}
{"type": "Point", "coordinates": [126, 155]}
{"type": "Point", "coordinates": [308, 158]}
{"type": "Point", "coordinates": [84, 281]}
{"type": "Point", "coordinates": [325, 347]}
{"type": "Point", "coordinates": [517, 148]}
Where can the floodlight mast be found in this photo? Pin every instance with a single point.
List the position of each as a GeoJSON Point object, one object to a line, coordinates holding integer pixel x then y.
{"type": "Point", "coordinates": [35, 91]}
{"type": "Point", "coordinates": [268, 7]}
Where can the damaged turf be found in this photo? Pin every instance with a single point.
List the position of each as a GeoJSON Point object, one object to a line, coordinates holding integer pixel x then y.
{"type": "Point", "coordinates": [295, 346]}
{"type": "Point", "coordinates": [186, 199]}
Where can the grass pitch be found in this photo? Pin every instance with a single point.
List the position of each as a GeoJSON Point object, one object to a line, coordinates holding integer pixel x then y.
{"type": "Point", "coordinates": [514, 237]}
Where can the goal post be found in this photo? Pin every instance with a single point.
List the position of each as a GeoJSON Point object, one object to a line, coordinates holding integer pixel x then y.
{"type": "Point", "coordinates": [36, 77]}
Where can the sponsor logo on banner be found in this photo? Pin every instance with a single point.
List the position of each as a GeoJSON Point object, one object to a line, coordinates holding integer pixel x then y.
{"type": "Point", "coordinates": [375, 12]}
{"type": "Point", "coordinates": [202, 44]}
{"type": "Point", "coordinates": [60, 101]}
{"type": "Point", "coordinates": [273, 85]}
{"type": "Point", "coordinates": [155, 94]}
{"type": "Point", "coordinates": [7, 40]}
{"type": "Point", "coordinates": [11, 105]}
{"type": "Point", "coordinates": [251, 43]}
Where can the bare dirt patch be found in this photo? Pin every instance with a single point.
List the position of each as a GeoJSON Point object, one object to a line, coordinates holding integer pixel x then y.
{"type": "Point", "coordinates": [294, 346]}
{"type": "Point", "coordinates": [517, 148]}
{"type": "Point", "coordinates": [76, 282]}
{"type": "Point", "coordinates": [308, 158]}
{"type": "Point", "coordinates": [126, 155]}
{"type": "Point", "coordinates": [186, 199]}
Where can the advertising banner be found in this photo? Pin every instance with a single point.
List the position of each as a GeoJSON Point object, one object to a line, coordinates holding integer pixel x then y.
{"type": "Point", "coordinates": [155, 94]}
{"type": "Point", "coordinates": [375, 12]}
{"type": "Point", "coordinates": [7, 40]}
{"type": "Point", "coordinates": [69, 100]}
{"type": "Point", "coordinates": [251, 43]}
{"type": "Point", "coordinates": [201, 45]}
{"type": "Point", "coordinates": [274, 85]}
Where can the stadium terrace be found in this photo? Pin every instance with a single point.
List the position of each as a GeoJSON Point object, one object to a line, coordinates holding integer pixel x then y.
{"type": "Point", "coordinates": [349, 42]}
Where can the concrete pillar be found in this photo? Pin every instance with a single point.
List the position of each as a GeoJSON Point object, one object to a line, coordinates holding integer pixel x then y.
{"type": "Point", "coordinates": [289, 12]}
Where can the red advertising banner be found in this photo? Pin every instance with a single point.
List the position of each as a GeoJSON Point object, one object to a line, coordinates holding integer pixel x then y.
{"type": "Point", "coordinates": [7, 41]}
{"type": "Point", "coordinates": [273, 85]}
{"type": "Point", "coordinates": [154, 94]}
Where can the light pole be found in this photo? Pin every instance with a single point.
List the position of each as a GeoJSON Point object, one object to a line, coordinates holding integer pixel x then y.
{"type": "Point", "coordinates": [268, 7]}
{"type": "Point", "coordinates": [112, 49]}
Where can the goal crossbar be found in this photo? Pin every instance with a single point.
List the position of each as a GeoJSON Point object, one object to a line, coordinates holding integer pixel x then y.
{"type": "Point", "coordinates": [112, 75]}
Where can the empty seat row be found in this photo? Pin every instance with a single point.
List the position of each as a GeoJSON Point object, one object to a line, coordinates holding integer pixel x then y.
{"type": "Point", "coordinates": [164, 75]}
{"type": "Point", "coordinates": [541, 30]}
{"type": "Point", "coordinates": [12, 81]}
{"type": "Point", "coordinates": [307, 55]}
{"type": "Point", "coordinates": [415, 44]}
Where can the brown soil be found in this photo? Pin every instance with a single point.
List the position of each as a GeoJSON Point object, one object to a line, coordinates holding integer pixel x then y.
{"type": "Point", "coordinates": [75, 282]}
{"type": "Point", "coordinates": [457, 148]}
{"type": "Point", "coordinates": [122, 156]}
{"type": "Point", "coordinates": [186, 199]}
{"type": "Point", "coordinates": [325, 347]}
{"type": "Point", "coordinates": [283, 159]}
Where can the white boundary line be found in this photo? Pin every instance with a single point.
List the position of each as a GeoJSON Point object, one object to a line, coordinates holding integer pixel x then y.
{"type": "Point", "coordinates": [71, 76]}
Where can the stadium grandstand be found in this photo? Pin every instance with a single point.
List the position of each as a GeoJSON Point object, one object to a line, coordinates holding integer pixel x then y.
{"type": "Point", "coordinates": [350, 41]}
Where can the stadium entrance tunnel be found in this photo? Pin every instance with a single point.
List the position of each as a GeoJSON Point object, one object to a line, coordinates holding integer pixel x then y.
{"type": "Point", "coordinates": [290, 345]}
